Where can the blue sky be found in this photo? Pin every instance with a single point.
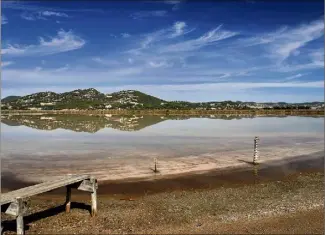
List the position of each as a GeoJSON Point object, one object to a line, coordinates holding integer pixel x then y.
{"type": "Point", "coordinates": [177, 50]}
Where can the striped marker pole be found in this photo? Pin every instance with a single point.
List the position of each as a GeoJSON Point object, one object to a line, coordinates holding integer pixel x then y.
{"type": "Point", "coordinates": [255, 158]}
{"type": "Point", "coordinates": [255, 171]}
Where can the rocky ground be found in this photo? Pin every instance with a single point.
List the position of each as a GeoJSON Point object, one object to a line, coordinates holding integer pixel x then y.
{"type": "Point", "coordinates": [291, 205]}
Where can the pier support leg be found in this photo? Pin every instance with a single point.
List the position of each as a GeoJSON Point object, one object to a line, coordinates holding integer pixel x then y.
{"type": "Point", "coordinates": [93, 197]}
{"type": "Point", "coordinates": [20, 217]}
{"type": "Point", "coordinates": [68, 199]}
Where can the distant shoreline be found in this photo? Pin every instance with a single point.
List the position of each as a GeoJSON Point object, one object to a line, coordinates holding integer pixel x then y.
{"type": "Point", "coordinates": [190, 112]}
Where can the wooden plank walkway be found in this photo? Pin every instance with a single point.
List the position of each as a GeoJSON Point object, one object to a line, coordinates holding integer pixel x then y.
{"type": "Point", "coordinates": [41, 188]}
{"type": "Point", "coordinates": [14, 202]}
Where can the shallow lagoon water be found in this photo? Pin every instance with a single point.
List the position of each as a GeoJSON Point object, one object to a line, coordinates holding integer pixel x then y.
{"type": "Point", "coordinates": [69, 141]}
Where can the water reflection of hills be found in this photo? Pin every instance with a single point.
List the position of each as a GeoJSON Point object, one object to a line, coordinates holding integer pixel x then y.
{"type": "Point", "coordinates": [81, 123]}
{"type": "Point", "coordinates": [92, 123]}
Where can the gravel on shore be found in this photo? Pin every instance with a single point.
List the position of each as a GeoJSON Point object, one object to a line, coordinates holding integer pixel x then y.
{"type": "Point", "coordinates": [292, 205]}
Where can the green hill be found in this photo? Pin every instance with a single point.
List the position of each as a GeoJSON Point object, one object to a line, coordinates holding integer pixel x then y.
{"type": "Point", "coordinates": [89, 99]}
{"type": "Point", "coordinates": [83, 99]}
{"type": "Point", "coordinates": [10, 98]}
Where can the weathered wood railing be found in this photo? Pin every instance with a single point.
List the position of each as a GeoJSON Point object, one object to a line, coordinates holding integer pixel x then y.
{"type": "Point", "coordinates": [14, 202]}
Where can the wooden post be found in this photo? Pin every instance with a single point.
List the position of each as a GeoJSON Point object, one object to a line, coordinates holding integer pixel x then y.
{"type": "Point", "coordinates": [68, 199]}
{"type": "Point", "coordinates": [20, 216]}
{"type": "Point", "coordinates": [155, 169]}
{"type": "Point", "coordinates": [93, 196]}
{"type": "Point", "coordinates": [255, 158]}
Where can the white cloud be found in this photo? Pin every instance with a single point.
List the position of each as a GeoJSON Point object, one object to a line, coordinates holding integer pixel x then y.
{"type": "Point", "coordinates": [175, 3]}
{"type": "Point", "coordinates": [4, 19]}
{"type": "Point", "coordinates": [132, 74]}
{"type": "Point", "coordinates": [298, 67]}
{"type": "Point", "coordinates": [315, 61]}
{"type": "Point", "coordinates": [97, 59]}
{"type": "Point", "coordinates": [286, 41]}
{"type": "Point", "coordinates": [261, 39]}
{"type": "Point", "coordinates": [23, 6]}
{"type": "Point", "coordinates": [27, 16]}
{"type": "Point", "coordinates": [296, 38]}
{"type": "Point", "coordinates": [198, 72]}
{"type": "Point", "coordinates": [208, 38]}
{"type": "Point", "coordinates": [37, 69]}
{"type": "Point", "coordinates": [159, 64]}
{"type": "Point", "coordinates": [317, 56]}
{"type": "Point", "coordinates": [62, 69]}
{"type": "Point", "coordinates": [52, 13]}
{"type": "Point", "coordinates": [41, 15]}
{"type": "Point", "coordinates": [227, 86]}
{"type": "Point", "coordinates": [125, 35]}
{"type": "Point", "coordinates": [12, 50]}
{"type": "Point", "coordinates": [172, 2]}
{"type": "Point", "coordinates": [63, 42]}
{"type": "Point", "coordinates": [299, 75]}
{"type": "Point", "coordinates": [146, 14]}
{"type": "Point", "coordinates": [159, 45]}
{"type": "Point", "coordinates": [105, 61]}
{"type": "Point", "coordinates": [32, 16]}
{"type": "Point", "coordinates": [6, 63]}
{"type": "Point", "coordinates": [178, 29]}
{"type": "Point", "coordinates": [66, 76]}
{"type": "Point", "coordinates": [149, 39]}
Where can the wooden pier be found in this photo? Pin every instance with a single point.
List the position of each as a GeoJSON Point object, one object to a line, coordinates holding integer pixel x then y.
{"type": "Point", "coordinates": [14, 202]}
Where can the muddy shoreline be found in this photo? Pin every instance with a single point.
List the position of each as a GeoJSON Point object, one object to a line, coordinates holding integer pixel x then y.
{"type": "Point", "coordinates": [225, 177]}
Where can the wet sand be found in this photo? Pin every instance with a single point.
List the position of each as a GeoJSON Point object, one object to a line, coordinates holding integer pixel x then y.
{"type": "Point", "coordinates": [139, 165]}
{"type": "Point", "coordinates": [245, 173]}
{"type": "Point", "coordinates": [228, 177]}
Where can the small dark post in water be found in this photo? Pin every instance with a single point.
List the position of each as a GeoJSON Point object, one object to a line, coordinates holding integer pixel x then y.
{"type": "Point", "coordinates": [68, 199]}
{"type": "Point", "coordinates": [255, 158]}
{"type": "Point", "coordinates": [155, 169]}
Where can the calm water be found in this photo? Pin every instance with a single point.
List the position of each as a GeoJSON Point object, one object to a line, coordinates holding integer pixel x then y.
{"type": "Point", "coordinates": [37, 148]}
{"type": "Point", "coordinates": [173, 136]}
